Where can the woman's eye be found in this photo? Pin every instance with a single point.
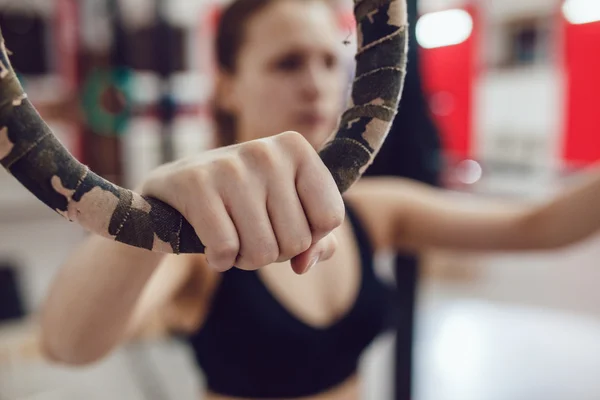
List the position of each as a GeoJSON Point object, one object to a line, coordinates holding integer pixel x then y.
{"type": "Point", "coordinates": [290, 63]}
{"type": "Point", "coordinates": [331, 61]}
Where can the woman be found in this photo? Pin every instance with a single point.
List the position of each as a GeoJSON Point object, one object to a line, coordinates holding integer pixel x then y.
{"type": "Point", "coordinates": [260, 330]}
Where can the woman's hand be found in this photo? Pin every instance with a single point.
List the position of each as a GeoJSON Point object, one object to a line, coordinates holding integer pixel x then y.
{"type": "Point", "coordinates": [252, 204]}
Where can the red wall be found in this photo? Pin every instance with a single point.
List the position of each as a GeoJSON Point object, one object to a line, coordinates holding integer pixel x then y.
{"type": "Point", "coordinates": [581, 49]}
{"type": "Point", "coordinates": [451, 70]}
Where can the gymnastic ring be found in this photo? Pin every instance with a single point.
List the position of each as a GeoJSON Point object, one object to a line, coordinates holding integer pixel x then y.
{"type": "Point", "coordinates": [33, 155]}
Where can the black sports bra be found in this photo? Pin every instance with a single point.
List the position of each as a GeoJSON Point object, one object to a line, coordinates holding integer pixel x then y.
{"type": "Point", "coordinates": [251, 346]}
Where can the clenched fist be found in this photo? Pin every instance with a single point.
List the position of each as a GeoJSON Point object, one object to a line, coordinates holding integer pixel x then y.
{"type": "Point", "coordinates": [256, 203]}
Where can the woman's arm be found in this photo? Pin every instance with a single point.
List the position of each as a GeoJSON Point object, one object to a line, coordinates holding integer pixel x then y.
{"type": "Point", "coordinates": [93, 303]}
{"type": "Point", "coordinates": [251, 204]}
{"type": "Point", "coordinates": [410, 215]}
{"type": "Point", "coordinates": [174, 301]}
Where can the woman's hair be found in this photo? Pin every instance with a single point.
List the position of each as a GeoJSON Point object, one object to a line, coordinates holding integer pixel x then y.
{"type": "Point", "coordinates": [231, 30]}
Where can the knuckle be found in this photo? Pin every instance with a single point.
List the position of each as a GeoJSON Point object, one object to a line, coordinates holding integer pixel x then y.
{"type": "Point", "coordinates": [329, 221]}
{"type": "Point", "coordinates": [292, 138]}
{"type": "Point", "coordinates": [198, 178]}
{"type": "Point", "coordinates": [304, 242]}
{"type": "Point", "coordinates": [295, 142]}
{"type": "Point", "coordinates": [226, 250]}
{"type": "Point", "coordinates": [159, 184]}
{"type": "Point", "coordinates": [189, 184]}
{"type": "Point", "coordinates": [264, 254]}
{"type": "Point", "coordinates": [256, 148]}
{"type": "Point", "coordinates": [242, 263]}
{"type": "Point", "coordinates": [188, 180]}
{"type": "Point", "coordinates": [231, 170]}
{"type": "Point", "coordinates": [177, 191]}
{"type": "Point", "coordinates": [261, 154]}
{"type": "Point", "coordinates": [294, 147]}
{"type": "Point", "coordinates": [297, 246]}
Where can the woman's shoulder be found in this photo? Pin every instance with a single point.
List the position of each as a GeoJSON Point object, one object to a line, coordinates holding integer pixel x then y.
{"type": "Point", "coordinates": [371, 200]}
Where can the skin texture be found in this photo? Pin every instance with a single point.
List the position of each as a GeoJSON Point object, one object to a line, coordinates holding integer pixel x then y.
{"type": "Point", "coordinates": [107, 292]}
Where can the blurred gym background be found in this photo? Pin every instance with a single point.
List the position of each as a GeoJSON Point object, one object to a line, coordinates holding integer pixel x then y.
{"type": "Point", "coordinates": [511, 86]}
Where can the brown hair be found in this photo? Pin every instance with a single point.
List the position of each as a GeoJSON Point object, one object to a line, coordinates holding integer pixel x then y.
{"type": "Point", "coordinates": [229, 39]}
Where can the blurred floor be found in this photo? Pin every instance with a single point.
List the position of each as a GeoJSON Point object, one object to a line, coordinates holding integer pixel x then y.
{"type": "Point", "coordinates": [477, 350]}
{"type": "Point", "coordinates": [472, 348]}
{"type": "Point", "coordinates": [516, 327]}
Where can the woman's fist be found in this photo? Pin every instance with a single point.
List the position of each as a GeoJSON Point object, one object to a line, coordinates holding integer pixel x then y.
{"type": "Point", "coordinates": [256, 203]}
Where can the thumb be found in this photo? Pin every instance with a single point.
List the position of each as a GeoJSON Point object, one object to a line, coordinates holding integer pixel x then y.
{"type": "Point", "coordinates": [320, 251]}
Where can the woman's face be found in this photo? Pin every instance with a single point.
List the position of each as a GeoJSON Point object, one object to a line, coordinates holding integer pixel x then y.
{"type": "Point", "coordinates": [288, 73]}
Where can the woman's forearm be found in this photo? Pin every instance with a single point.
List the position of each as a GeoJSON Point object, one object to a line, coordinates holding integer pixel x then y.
{"type": "Point", "coordinates": [92, 299]}
{"type": "Point", "coordinates": [571, 216]}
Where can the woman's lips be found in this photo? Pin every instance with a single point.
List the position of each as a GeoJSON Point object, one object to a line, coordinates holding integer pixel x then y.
{"type": "Point", "coordinates": [312, 119]}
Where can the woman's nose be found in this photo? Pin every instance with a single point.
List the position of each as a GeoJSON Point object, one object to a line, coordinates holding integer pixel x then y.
{"type": "Point", "coordinates": [313, 80]}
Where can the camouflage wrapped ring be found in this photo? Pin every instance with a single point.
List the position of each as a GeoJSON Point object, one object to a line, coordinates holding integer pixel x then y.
{"type": "Point", "coordinates": [34, 156]}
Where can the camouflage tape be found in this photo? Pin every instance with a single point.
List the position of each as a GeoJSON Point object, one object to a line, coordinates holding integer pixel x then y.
{"type": "Point", "coordinates": [34, 156]}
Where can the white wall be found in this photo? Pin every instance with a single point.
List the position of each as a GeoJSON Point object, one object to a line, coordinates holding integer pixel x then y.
{"type": "Point", "coordinates": [524, 108]}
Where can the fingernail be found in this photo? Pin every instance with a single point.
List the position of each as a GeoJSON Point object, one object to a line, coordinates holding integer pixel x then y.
{"type": "Point", "coordinates": [312, 262]}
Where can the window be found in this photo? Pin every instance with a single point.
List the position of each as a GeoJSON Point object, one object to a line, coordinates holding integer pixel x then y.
{"type": "Point", "coordinates": [525, 42]}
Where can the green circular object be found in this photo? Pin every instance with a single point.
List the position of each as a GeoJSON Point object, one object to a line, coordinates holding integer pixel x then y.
{"type": "Point", "coordinates": [99, 83]}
